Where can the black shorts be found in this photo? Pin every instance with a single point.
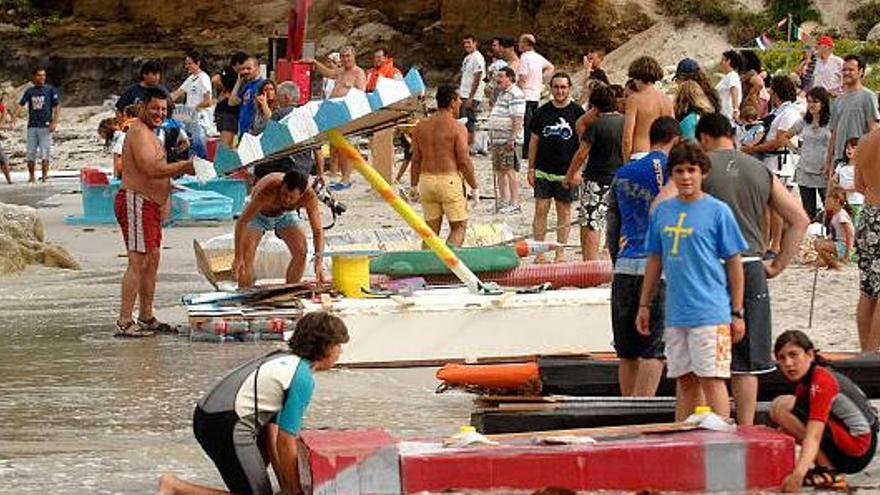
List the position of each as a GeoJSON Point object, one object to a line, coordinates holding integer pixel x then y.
{"type": "Point", "coordinates": [626, 291]}
{"type": "Point", "coordinates": [469, 113]}
{"type": "Point", "coordinates": [754, 353]}
{"type": "Point", "coordinates": [234, 450]}
{"type": "Point", "coordinates": [551, 189]}
{"type": "Point", "coordinates": [841, 461]}
{"type": "Point", "coordinates": [226, 117]}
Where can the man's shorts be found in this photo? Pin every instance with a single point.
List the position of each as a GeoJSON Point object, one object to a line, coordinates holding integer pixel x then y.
{"type": "Point", "coordinates": [593, 207]}
{"type": "Point", "coordinates": [552, 189]}
{"type": "Point", "coordinates": [3, 159]}
{"type": "Point", "coordinates": [442, 195]}
{"type": "Point", "coordinates": [504, 158]}
{"type": "Point", "coordinates": [39, 139]}
{"type": "Point", "coordinates": [140, 220]}
{"type": "Point", "coordinates": [283, 221]}
{"type": "Point", "coordinates": [868, 249]}
{"type": "Point", "coordinates": [626, 291]}
{"type": "Point", "coordinates": [225, 117]}
{"type": "Point", "coordinates": [753, 355]}
{"type": "Point", "coordinates": [234, 450]}
{"type": "Point", "coordinates": [469, 113]}
{"type": "Point", "coordinates": [703, 351]}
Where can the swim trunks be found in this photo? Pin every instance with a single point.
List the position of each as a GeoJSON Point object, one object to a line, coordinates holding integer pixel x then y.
{"type": "Point", "coordinates": [753, 354]}
{"type": "Point", "coordinates": [140, 220]}
{"type": "Point", "coordinates": [283, 221]}
{"type": "Point", "coordinates": [443, 195]}
{"type": "Point", "coordinates": [868, 250]}
{"type": "Point", "coordinates": [593, 207]}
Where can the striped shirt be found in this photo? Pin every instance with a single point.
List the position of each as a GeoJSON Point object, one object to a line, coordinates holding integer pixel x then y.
{"type": "Point", "coordinates": [511, 104]}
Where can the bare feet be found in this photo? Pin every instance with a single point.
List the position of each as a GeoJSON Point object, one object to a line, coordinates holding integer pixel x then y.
{"type": "Point", "coordinates": [167, 484]}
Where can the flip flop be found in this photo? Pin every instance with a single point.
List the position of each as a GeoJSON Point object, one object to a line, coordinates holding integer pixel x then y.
{"type": "Point", "coordinates": [153, 325]}
{"type": "Point", "coordinates": [823, 478]}
{"type": "Point", "coordinates": [131, 330]}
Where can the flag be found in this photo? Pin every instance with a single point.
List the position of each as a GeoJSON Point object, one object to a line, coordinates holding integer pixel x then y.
{"type": "Point", "coordinates": [764, 42]}
{"type": "Point", "coordinates": [799, 34]}
{"type": "Point", "coordinates": [782, 23]}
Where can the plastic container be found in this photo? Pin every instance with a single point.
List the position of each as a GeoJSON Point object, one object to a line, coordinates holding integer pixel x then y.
{"type": "Point", "coordinates": [224, 326]}
{"type": "Point", "coordinates": [234, 189]}
{"type": "Point", "coordinates": [275, 325]}
{"type": "Point", "coordinates": [351, 274]}
{"type": "Point", "coordinates": [200, 205]}
{"type": "Point", "coordinates": [98, 201]}
{"type": "Point", "coordinates": [478, 259]}
{"type": "Point", "coordinates": [467, 436]}
{"type": "Point", "coordinates": [93, 177]}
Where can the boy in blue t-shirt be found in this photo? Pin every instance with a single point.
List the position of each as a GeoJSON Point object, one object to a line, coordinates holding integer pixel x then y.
{"type": "Point", "coordinates": [688, 237]}
{"type": "Point", "coordinates": [42, 103]}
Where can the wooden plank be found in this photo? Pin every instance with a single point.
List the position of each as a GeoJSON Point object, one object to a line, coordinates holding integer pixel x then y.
{"type": "Point", "coordinates": [382, 153]}
{"type": "Point", "coordinates": [614, 431]}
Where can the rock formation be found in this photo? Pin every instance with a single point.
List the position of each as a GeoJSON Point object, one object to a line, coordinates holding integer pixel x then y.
{"type": "Point", "coordinates": [22, 242]}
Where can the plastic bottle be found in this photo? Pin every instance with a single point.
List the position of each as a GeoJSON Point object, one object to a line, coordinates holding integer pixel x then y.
{"type": "Point", "coordinates": [223, 326]}
{"type": "Point", "coordinates": [529, 247]}
{"type": "Point", "coordinates": [467, 436]}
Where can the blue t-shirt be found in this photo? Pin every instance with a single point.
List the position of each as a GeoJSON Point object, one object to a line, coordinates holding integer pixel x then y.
{"type": "Point", "coordinates": [247, 107]}
{"type": "Point", "coordinates": [298, 397]}
{"type": "Point", "coordinates": [636, 184]}
{"type": "Point", "coordinates": [692, 238]}
{"type": "Point", "coordinates": [40, 100]}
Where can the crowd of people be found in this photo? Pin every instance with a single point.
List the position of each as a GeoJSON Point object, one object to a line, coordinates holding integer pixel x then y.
{"type": "Point", "coordinates": [703, 195]}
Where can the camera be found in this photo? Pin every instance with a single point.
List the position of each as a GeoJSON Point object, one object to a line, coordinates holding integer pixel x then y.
{"type": "Point", "coordinates": [325, 197]}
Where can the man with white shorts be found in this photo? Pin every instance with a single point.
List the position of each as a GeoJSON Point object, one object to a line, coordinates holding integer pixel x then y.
{"type": "Point", "coordinates": [42, 103]}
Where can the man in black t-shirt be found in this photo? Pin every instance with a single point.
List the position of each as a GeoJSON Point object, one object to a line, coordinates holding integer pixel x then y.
{"type": "Point", "coordinates": [553, 143]}
{"type": "Point", "coordinates": [150, 77]}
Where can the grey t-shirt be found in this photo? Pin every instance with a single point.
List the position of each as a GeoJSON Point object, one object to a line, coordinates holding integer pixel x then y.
{"type": "Point", "coordinates": [851, 114]}
{"type": "Point", "coordinates": [744, 184]}
{"type": "Point", "coordinates": [814, 145]}
{"type": "Point", "coordinates": [605, 137]}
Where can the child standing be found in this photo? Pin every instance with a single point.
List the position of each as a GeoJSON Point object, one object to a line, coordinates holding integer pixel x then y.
{"type": "Point", "coordinates": [845, 178]}
{"type": "Point", "coordinates": [687, 237]}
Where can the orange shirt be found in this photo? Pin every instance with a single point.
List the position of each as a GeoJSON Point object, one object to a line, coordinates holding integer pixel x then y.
{"type": "Point", "coordinates": [386, 70]}
{"type": "Point", "coordinates": [867, 164]}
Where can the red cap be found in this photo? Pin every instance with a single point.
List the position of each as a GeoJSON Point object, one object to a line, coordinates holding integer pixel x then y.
{"type": "Point", "coordinates": [826, 41]}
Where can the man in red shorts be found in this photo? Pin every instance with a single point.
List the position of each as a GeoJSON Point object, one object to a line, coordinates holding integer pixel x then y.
{"type": "Point", "coordinates": [140, 204]}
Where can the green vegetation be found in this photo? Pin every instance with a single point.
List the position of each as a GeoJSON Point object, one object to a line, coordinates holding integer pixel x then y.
{"type": "Point", "coordinates": [865, 17]}
{"type": "Point", "coordinates": [35, 29]}
{"type": "Point", "coordinates": [742, 26]}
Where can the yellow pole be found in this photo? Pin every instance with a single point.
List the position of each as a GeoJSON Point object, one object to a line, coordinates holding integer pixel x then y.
{"type": "Point", "coordinates": [380, 185]}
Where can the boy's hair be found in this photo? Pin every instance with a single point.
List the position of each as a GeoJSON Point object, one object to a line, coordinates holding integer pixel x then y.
{"type": "Point", "coordinates": [446, 95]}
{"type": "Point", "coordinates": [853, 141]}
{"type": "Point", "coordinates": [735, 59]}
{"type": "Point", "coordinates": [784, 88]}
{"type": "Point", "coordinates": [509, 72]}
{"type": "Point", "coordinates": [645, 69]}
{"type": "Point", "coordinates": [603, 99]}
{"type": "Point", "coordinates": [688, 153]}
{"type": "Point", "coordinates": [749, 112]}
{"type": "Point", "coordinates": [315, 334]}
{"type": "Point", "coordinates": [151, 67]}
{"type": "Point", "coordinates": [714, 125]}
{"type": "Point", "coordinates": [795, 337]}
{"type": "Point", "coordinates": [664, 130]}
{"type": "Point", "coordinates": [106, 129]}
{"type": "Point", "coordinates": [238, 58]}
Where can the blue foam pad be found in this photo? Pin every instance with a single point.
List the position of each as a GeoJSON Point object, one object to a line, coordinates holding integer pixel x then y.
{"type": "Point", "coordinates": [375, 101]}
{"type": "Point", "coordinates": [332, 114]}
{"type": "Point", "coordinates": [414, 82]}
{"type": "Point", "coordinates": [226, 160]}
{"type": "Point", "coordinates": [275, 137]}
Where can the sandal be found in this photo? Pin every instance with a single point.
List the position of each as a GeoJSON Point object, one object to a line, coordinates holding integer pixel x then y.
{"type": "Point", "coordinates": [153, 325]}
{"type": "Point", "coordinates": [131, 330]}
{"type": "Point", "coordinates": [824, 478]}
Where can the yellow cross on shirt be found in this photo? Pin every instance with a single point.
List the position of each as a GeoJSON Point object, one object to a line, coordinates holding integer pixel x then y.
{"type": "Point", "coordinates": [678, 232]}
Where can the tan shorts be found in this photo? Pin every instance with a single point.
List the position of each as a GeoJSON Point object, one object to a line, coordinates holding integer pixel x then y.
{"type": "Point", "coordinates": [703, 351]}
{"type": "Point", "coordinates": [504, 158]}
{"type": "Point", "coordinates": [443, 195]}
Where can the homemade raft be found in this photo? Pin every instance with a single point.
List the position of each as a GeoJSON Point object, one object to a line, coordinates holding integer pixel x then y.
{"type": "Point", "coordinates": [672, 457]}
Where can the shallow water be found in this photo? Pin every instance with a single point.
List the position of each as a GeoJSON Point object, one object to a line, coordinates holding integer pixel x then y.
{"type": "Point", "coordinates": [82, 412]}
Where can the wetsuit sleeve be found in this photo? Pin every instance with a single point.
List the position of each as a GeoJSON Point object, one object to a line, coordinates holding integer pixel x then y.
{"type": "Point", "coordinates": [298, 397]}
{"type": "Point", "coordinates": [822, 391]}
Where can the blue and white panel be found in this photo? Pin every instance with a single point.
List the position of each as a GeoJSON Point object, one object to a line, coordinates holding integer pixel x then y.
{"type": "Point", "coordinates": [249, 149]}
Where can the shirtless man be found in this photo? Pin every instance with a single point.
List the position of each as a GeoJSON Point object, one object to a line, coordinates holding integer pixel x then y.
{"type": "Point", "coordinates": [440, 158]}
{"type": "Point", "coordinates": [643, 107]}
{"type": "Point", "coordinates": [140, 205]}
{"type": "Point", "coordinates": [347, 76]}
{"type": "Point", "coordinates": [274, 200]}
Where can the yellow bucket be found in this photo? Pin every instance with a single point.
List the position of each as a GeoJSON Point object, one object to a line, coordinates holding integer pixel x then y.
{"type": "Point", "coordinates": [351, 273]}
